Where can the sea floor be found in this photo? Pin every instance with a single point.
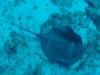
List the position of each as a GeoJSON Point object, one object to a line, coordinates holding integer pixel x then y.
{"type": "Point", "coordinates": [21, 52]}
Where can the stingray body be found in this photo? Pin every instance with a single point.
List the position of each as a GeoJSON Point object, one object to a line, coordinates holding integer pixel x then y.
{"type": "Point", "coordinates": [62, 47]}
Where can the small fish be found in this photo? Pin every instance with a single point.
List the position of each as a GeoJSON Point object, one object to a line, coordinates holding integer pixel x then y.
{"type": "Point", "coordinates": [62, 47]}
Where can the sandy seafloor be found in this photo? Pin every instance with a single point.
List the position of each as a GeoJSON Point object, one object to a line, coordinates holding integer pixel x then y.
{"type": "Point", "coordinates": [20, 51]}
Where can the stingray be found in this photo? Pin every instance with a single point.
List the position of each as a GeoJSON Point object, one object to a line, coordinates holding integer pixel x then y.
{"type": "Point", "coordinates": [62, 47]}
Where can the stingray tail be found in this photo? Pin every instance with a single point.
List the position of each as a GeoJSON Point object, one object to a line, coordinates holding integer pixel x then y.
{"type": "Point", "coordinates": [36, 34]}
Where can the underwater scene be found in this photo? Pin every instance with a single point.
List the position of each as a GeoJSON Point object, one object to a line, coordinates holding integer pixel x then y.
{"type": "Point", "coordinates": [49, 37]}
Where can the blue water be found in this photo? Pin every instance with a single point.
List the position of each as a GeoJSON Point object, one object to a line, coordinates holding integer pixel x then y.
{"type": "Point", "coordinates": [20, 50]}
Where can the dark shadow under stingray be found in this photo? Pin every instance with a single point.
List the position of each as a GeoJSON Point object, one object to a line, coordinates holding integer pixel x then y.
{"type": "Point", "coordinates": [62, 47]}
